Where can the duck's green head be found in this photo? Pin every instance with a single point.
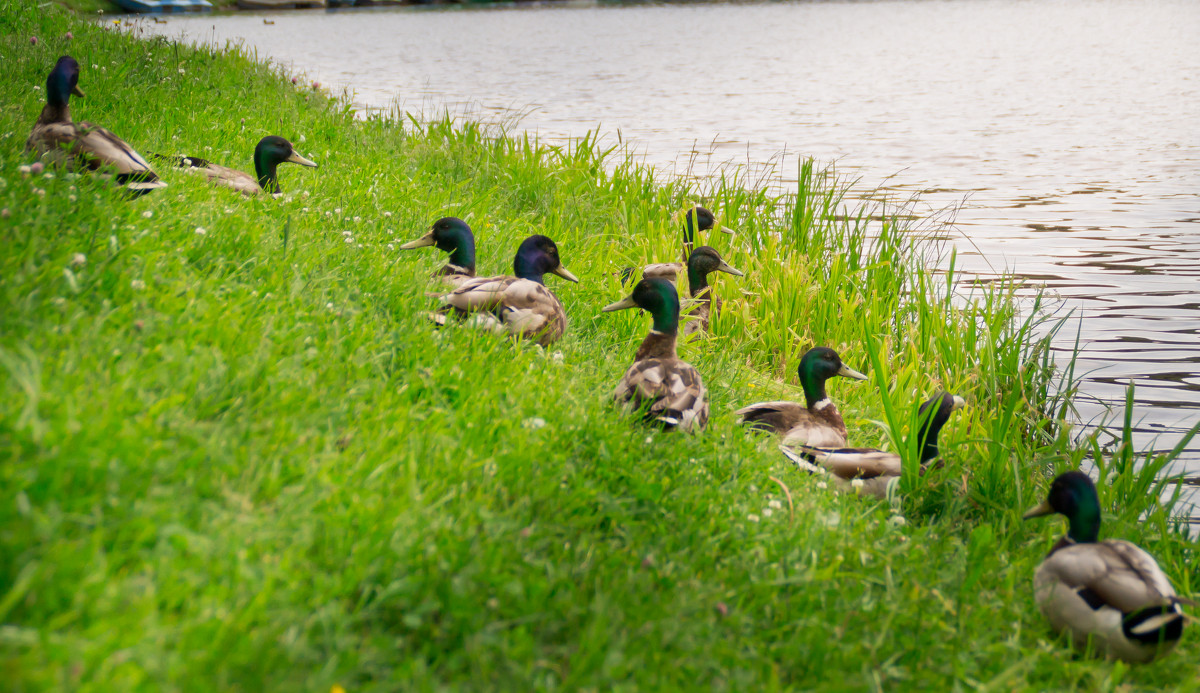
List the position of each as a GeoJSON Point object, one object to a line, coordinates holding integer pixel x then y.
{"type": "Point", "coordinates": [1074, 495]}
{"type": "Point", "coordinates": [657, 297]}
{"type": "Point", "coordinates": [933, 415]}
{"type": "Point", "coordinates": [818, 365]}
{"type": "Point", "coordinates": [698, 219]}
{"type": "Point", "coordinates": [63, 82]}
{"type": "Point", "coordinates": [536, 256]}
{"type": "Point", "coordinates": [271, 151]}
{"type": "Point", "coordinates": [702, 262]}
{"type": "Point", "coordinates": [450, 235]}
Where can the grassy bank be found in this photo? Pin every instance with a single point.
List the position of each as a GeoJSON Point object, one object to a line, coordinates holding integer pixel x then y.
{"type": "Point", "coordinates": [233, 456]}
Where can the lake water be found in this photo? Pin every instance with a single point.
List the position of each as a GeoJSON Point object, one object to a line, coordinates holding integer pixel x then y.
{"type": "Point", "coordinates": [1071, 129]}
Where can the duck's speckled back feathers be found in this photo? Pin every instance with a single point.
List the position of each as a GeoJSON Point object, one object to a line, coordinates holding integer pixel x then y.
{"type": "Point", "coordinates": [670, 391]}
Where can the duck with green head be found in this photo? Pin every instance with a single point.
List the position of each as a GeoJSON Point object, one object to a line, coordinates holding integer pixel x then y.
{"type": "Point", "coordinates": [670, 391]}
{"type": "Point", "coordinates": [269, 153]}
{"type": "Point", "coordinates": [450, 235]}
{"type": "Point", "coordinates": [869, 470]}
{"type": "Point", "coordinates": [695, 219]}
{"type": "Point", "coordinates": [61, 141]}
{"type": "Point", "coordinates": [816, 422]}
{"type": "Point", "coordinates": [1109, 592]}
{"type": "Point", "coordinates": [519, 305]}
{"type": "Point", "coordinates": [703, 262]}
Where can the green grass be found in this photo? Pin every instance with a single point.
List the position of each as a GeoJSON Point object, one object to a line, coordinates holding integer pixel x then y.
{"type": "Point", "coordinates": [242, 461]}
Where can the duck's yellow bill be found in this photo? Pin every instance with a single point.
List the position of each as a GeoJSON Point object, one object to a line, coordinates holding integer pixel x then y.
{"type": "Point", "coordinates": [423, 241]}
{"type": "Point", "coordinates": [1038, 510]}
{"type": "Point", "coordinates": [848, 372]}
{"type": "Point", "coordinates": [562, 272]}
{"type": "Point", "coordinates": [725, 267]}
{"type": "Point", "coordinates": [624, 303]}
{"type": "Point", "coordinates": [295, 158]}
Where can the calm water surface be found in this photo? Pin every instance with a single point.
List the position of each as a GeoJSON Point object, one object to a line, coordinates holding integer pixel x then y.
{"type": "Point", "coordinates": [1071, 129]}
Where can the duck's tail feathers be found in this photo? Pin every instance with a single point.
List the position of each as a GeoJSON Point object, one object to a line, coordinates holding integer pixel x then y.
{"type": "Point", "coordinates": [801, 459]}
{"type": "Point", "coordinates": [182, 161]}
{"type": "Point", "coordinates": [140, 182]}
{"type": "Point", "coordinates": [1154, 624]}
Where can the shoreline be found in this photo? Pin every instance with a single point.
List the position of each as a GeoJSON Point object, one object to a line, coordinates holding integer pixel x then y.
{"type": "Point", "coordinates": [242, 459]}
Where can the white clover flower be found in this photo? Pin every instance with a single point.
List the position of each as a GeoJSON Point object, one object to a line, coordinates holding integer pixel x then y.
{"type": "Point", "coordinates": [822, 484]}
{"type": "Point", "coordinates": [337, 210]}
{"type": "Point", "coordinates": [328, 213]}
{"type": "Point", "coordinates": [71, 198]}
{"type": "Point", "coordinates": [349, 240]}
{"type": "Point", "coordinates": [24, 169]}
{"type": "Point", "coordinates": [360, 245]}
{"type": "Point", "coordinates": [649, 439]}
{"type": "Point", "coordinates": [856, 484]}
{"type": "Point", "coordinates": [147, 214]}
{"type": "Point", "coordinates": [752, 517]}
{"type": "Point", "coordinates": [357, 220]}
{"type": "Point", "coordinates": [48, 176]}
{"type": "Point", "coordinates": [182, 71]}
{"type": "Point", "coordinates": [387, 214]}
{"type": "Point", "coordinates": [302, 139]}
{"type": "Point", "coordinates": [200, 231]}
{"type": "Point", "coordinates": [557, 356]}
{"type": "Point", "coordinates": [767, 512]}
{"type": "Point", "coordinates": [304, 194]}
{"type": "Point", "coordinates": [329, 306]}
{"type": "Point", "coordinates": [897, 520]}
{"type": "Point", "coordinates": [305, 210]}
{"type": "Point", "coordinates": [78, 260]}
{"type": "Point", "coordinates": [534, 423]}
{"type": "Point", "coordinates": [229, 210]}
{"type": "Point", "coordinates": [347, 233]}
{"type": "Point", "coordinates": [137, 284]}
{"type": "Point", "coordinates": [774, 504]}
{"type": "Point", "coordinates": [391, 246]}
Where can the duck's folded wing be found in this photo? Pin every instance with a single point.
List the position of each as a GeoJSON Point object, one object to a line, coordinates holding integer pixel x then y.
{"type": "Point", "coordinates": [663, 270]}
{"type": "Point", "coordinates": [673, 389]}
{"type": "Point", "coordinates": [854, 463]}
{"type": "Point", "coordinates": [528, 307]}
{"type": "Point", "coordinates": [776, 417]}
{"type": "Point", "coordinates": [481, 293]}
{"type": "Point", "coordinates": [102, 149]}
{"type": "Point", "coordinates": [811, 431]}
{"type": "Point", "coordinates": [221, 175]}
{"type": "Point", "coordinates": [1117, 572]}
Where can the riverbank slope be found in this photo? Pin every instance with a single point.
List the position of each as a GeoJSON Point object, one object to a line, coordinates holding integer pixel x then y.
{"type": "Point", "coordinates": [235, 456]}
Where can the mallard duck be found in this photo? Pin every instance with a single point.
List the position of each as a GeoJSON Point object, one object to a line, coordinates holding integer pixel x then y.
{"type": "Point", "coordinates": [270, 151]}
{"type": "Point", "coordinates": [703, 262]}
{"type": "Point", "coordinates": [869, 470]}
{"type": "Point", "coordinates": [670, 389]}
{"type": "Point", "coordinates": [694, 219]}
{"type": "Point", "coordinates": [520, 305]}
{"type": "Point", "coordinates": [816, 422]}
{"type": "Point", "coordinates": [450, 235]}
{"type": "Point", "coordinates": [59, 140]}
{"type": "Point", "coordinates": [1108, 590]}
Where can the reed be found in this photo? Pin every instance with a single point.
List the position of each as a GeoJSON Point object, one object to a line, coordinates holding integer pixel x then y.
{"type": "Point", "coordinates": [240, 459]}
